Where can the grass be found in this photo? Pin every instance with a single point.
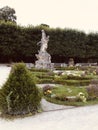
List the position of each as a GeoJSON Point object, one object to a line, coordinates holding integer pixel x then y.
{"type": "Point", "coordinates": [90, 102]}
{"type": "Point", "coordinates": [66, 91]}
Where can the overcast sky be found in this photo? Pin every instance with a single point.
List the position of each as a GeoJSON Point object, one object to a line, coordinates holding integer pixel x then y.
{"type": "Point", "coordinates": [75, 14]}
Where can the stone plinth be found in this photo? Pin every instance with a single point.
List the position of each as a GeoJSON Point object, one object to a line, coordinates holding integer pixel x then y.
{"type": "Point", "coordinates": [44, 61]}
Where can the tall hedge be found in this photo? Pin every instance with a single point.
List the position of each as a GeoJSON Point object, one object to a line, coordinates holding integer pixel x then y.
{"type": "Point", "coordinates": [18, 43]}
{"type": "Point", "coordinates": [19, 95]}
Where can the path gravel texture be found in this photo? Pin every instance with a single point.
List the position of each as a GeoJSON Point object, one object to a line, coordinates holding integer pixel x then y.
{"type": "Point", "coordinates": [4, 73]}
{"type": "Point", "coordinates": [82, 118]}
{"type": "Point", "coordinates": [47, 106]}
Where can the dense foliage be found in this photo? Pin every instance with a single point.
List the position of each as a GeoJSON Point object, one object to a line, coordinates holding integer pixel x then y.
{"type": "Point", "coordinates": [7, 14]}
{"type": "Point", "coordinates": [19, 95]}
{"type": "Point", "coordinates": [19, 43]}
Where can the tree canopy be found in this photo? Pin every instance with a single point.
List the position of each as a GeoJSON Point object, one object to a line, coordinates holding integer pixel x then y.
{"type": "Point", "coordinates": [8, 14]}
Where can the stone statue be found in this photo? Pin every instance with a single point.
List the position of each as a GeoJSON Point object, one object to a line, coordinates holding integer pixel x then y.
{"type": "Point", "coordinates": [43, 57]}
{"type": "Point", "coordinates": [44, 42]}
{"type": "Point", "coordinates": [71, 62]}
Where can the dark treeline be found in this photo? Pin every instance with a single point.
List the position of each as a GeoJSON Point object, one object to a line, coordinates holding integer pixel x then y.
{"type": "Point", "coordinates": [19, 43]}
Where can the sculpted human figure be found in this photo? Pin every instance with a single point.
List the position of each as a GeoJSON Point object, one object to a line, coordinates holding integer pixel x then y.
{"type": "Point", "coordinates": [44, 42]}
{"type": "Point", "coordinates": [43, 57]}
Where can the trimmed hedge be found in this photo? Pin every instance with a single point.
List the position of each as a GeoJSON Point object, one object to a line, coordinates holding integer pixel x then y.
{"type": "Point", "coordinates": [78, 82]}
{"type": "Point", "coordinates": [38, 70]}
{"type": "Point", "coordinates": [19, 95]}
{"type": "Point", "coordinates": [44, 81]}
{"type": "Point", "coordinates": [19, 43]}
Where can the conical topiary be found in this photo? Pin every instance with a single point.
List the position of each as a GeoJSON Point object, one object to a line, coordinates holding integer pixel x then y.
{"type": "Point", "coordinates": [19, 95]}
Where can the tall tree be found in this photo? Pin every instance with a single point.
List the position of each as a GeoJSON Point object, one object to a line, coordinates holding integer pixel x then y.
{"type": "Point", "coordinates": [7, 14]}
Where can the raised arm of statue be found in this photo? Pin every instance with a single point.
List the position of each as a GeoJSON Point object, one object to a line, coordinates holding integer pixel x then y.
{"type": "Point", "coordinates": [43, 42]}
{"type": "Point", "coordinates": [43, 35]}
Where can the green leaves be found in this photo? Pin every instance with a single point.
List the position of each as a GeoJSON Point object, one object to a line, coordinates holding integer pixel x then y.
{"type": "Point", "coordinates": [7, 14]}
{"type": "Point", "coordinates": [19, 43]}
{"type": "Point", "coordinates": [19, 92]}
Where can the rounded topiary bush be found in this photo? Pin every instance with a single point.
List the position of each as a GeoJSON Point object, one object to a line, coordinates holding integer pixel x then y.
{"type": "Point", "coordinates": [19, 95]}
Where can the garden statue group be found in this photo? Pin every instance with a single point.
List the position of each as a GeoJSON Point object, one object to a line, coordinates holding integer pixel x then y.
{"type": "Point", "coordinates": [43, 57]}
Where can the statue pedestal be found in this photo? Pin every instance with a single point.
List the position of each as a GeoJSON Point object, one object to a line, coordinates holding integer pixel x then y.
{"type": "Point", "coordinates": [44, 61]}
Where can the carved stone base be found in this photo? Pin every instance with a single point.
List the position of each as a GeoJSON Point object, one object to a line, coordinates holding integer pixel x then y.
{"type": "Point", "coordinates": [40, 65]}
{"type": "Point", "coordinates": [44, 61]}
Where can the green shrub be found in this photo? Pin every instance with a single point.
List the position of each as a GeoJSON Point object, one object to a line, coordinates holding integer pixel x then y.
{"type": "Point", "coordinates": [60, 68]}
{"type": "Point", "coordinates": [66, 42]}
{"type": "Point", "coordinates": [60, 97]}
{"type": "Point", "coordinates": [39, 70]}
{"type": "Point", "coordinates": [66, 68]}
{"type": "Point", "coordinates": [38, 73]}
{"type": "Point", "coordinates": [79, 77]}
{"type": "Point", "coordinates": [60, 81]}
{"type": "Point", "coordinates": [44, 81]}
{"type": "Point", "coordinates": [45, 77]}
{"type": "Point", "coordinates": [71, 68]}
{"type": "Point", "coordinates": [65, 80]}
{"type": "Point", "coordinates": [77, 82]}
{"type": "Point", "coordinates": [19, 95]}
{"type": "Point", "coordinates": [92, 89]}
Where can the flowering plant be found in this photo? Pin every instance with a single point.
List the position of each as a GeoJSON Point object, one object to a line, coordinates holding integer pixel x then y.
{"type": "Point", "coordinates": [48, 93]}
{"type": "Point", "coordinates": [47, 90]}
{"type": "Point", "coordinates": [81, 96]}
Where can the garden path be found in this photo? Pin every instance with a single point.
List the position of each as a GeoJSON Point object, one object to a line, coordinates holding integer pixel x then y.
{"type": "Point", "coordinates": [80, 118]}
{"type": "Point", "coordinates": [4, 73]}
{"type": "Point", "coordinates": [47, 106]}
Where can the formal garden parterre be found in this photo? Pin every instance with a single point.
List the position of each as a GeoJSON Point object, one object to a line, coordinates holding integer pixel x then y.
{"type": "Point", "coordinates": [73, 86]}
{"type": "Point", "coordinates": [21, 94]}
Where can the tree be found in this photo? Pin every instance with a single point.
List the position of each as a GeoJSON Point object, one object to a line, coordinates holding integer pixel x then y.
{"type": "Point", "coordinates": [19, 95]}
{"type": "Point", "coordinates": [45, 25]}
{"type": "Point", "coordinates": [7, 14]}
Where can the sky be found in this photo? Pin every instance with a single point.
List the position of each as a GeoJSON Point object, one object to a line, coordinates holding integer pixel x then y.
{"type": "Point", "coordinates": [73, 14]}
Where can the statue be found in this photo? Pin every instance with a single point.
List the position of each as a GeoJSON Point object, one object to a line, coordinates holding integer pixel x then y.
{"type": "Point", "coordinates": [71, 62]}
{"type": "Point", "coordinates": [43, 57]}
{"type": "Point", "coordinates": [43, 42]}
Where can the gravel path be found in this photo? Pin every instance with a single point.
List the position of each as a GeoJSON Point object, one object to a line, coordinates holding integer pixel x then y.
{"type": "Point", "coordinates": [47, 106]}
{"type": "Point", "coordinates": [4, 72]}
{"type": "Point", "coordinates": [82, 118]}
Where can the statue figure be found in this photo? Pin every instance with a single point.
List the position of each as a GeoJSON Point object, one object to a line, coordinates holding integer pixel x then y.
{"type": "Point", "coordinates": [43, 57]}
{"type": "Point", "coordinates": [44, 42]}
